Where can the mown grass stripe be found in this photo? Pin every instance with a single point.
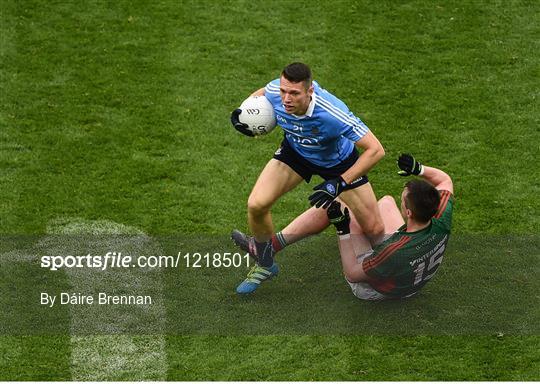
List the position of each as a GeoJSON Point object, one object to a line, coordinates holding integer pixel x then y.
{"type": "Point", "coordinates": [117, 351]}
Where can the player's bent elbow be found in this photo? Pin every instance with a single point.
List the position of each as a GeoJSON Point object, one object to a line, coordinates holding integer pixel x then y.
{"type": "Point", "coordinates": [444, 182]}
{"type": "Point", "coordinates": [446, 186]}
{"type": "Point", "coordinates": [380, 152]}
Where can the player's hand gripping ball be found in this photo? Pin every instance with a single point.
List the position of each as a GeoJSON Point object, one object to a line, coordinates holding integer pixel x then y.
{"type": "Point", "coordinates": [255, 117]}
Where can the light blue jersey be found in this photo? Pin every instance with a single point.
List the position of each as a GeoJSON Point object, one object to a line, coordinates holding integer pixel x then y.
{"type": "Point", "coordinates": [326, 134]}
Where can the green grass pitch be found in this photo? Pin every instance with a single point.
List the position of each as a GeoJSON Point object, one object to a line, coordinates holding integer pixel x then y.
{"type": "Point", "coordinates": [114, 119]}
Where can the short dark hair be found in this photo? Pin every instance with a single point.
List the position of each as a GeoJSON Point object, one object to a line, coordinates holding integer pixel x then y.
{"type": "Point", "coordinates": [297, 72]}
{"type": "Point", "coordinates": [422, 199]}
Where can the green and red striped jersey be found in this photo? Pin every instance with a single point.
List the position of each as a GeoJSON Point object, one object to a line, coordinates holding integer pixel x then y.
{"type": "Point", "coordinates": [406, 261]}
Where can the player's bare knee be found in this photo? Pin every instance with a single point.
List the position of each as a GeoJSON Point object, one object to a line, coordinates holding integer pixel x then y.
{"type": "Point", "coordinates": [257, 206]}
{"type": "Point", "coordinates": [387, 199]}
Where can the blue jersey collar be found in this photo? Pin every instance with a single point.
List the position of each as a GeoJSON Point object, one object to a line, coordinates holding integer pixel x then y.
{"type": "Point", "coordinates": [310, 109]}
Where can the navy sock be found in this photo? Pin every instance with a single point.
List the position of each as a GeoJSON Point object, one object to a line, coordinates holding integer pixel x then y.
{"type": "Point", "coordinates": [265, 253]}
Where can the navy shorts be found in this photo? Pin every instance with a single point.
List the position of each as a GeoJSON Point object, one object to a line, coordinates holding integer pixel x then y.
{"type": "Point", "coordinates": [286, 154]}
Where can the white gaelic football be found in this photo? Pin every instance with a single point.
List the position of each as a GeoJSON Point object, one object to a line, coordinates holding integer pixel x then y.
{"type": "Point", "coordinates": [258, 114]}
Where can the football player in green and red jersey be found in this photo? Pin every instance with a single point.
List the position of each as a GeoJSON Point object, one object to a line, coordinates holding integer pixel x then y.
{"type": "Point", "coordinates": [417, 235]}
{"type": "Point", "coordinates": [411, 255]}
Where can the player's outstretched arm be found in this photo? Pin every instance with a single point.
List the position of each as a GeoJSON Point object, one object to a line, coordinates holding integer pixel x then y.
{"type": "Point", "coordinates": [408, 165]}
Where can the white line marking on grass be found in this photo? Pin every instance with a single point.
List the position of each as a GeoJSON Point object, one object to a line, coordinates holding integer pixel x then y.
{"type": "Point", "coordinates": [112, 342]}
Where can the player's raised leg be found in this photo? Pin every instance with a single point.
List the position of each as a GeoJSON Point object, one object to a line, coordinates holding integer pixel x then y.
{"type": "Point", "coordinates": [276, 179]}
{"type": "Point", "coordinates": [363, 205]}
{"type": "Point", "coordinates": [310, 222]}
{"type": "Point", "coordinates": [390, 213]}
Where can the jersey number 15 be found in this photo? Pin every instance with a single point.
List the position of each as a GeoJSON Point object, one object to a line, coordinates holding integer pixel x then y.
{"type": "Point", "coordinates": [422, 274]}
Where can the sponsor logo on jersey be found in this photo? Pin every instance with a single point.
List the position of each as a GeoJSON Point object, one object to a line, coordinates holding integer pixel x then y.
{"type": "Point", "coordinates": [303, 141]}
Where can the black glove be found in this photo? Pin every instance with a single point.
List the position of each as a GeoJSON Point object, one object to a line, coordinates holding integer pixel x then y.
{"type": "Point", "coordinates": [408, 165]}
{"type": "Point", "coordinates": [326, 192]}
{"type": "Point", "coordinates": [341, 220]}
{"type": "Point", "coordinates": [238, 125]}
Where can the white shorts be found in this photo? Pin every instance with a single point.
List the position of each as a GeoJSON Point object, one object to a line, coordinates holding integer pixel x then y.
{"type": "Point", "coordinates": [365, 291]}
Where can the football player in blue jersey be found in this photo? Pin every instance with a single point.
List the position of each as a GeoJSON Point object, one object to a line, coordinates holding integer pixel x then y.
{"type": "Point", "coordinates": [322, 137]}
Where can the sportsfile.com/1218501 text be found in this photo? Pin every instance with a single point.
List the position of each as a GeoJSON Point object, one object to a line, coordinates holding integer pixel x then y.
{"type": "Point", "coordinates": [114, 259]}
